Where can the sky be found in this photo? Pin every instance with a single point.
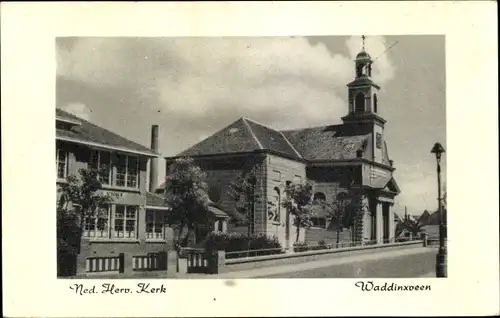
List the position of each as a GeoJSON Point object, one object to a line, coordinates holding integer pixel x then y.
{"type": "Point", "coordinates": [192, 87]}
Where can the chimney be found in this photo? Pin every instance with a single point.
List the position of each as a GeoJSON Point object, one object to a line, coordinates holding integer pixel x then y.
{"type": "Point", "coordinates": [153, 168]}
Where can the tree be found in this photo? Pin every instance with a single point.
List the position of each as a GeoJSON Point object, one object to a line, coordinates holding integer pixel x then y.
{"type": "Point", "coordinates": [243, 192]}
{"type": "Point", "coordinates": [186, 193]}
{"type": "Point", "coordinates": [79, 198]}
{"type": "Point", "coordinates": [298, 202]}
{"type": "Point", "coordinates": [410, 224]}
{"type": "Point", "coordinates": [339, 213]}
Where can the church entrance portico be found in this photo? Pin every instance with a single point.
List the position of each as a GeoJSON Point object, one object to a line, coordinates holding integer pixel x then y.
{"type": "Point", "coordinates": [383, 222]}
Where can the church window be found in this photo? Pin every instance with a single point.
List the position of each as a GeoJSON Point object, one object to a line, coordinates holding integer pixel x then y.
{"type": "Point", "coordinates": [359, 103]}
{"type": "Point", "coordinates": [318, 222]}
{"type": "Point", "coordinates": [379, 140]}
{"type": "Point", "coordinates": [214, 194]}
{"type": "Point", "coordinates": [375, 103]}
{"type": "Point", "coordinates": [319, 196]}
{"type": "Point", "coordinates": [274, 215]}
{"type": "Point", "coordinates": [359, 70]}
{"type": "Point", "coordinates": [276, 176]}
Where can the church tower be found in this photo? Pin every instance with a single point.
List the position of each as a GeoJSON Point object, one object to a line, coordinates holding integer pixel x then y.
{"type": "Point", "coordinates": [363, 103]}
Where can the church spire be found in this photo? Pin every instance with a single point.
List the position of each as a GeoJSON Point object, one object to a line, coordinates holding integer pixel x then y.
{"type": "Point", "coordinates": [363, 62]}
{"type": "Point", "coordinates": [363, 91]}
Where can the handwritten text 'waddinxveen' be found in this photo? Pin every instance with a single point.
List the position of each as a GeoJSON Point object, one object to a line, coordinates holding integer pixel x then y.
{"type": "Point", "coordinates": [370, 286]}
{"type": "Point", "coordinates": [112, 289]}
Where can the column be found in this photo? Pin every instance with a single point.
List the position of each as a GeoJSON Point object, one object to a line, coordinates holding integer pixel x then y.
{"type": "Point", "coordinates": [224, 226]}
{"type": "Point", "coordinates": [379, 227]}
{"type": "Point", "coordinates": [392, 226]}
{"type": "Point", "coordinates": [216, 225]}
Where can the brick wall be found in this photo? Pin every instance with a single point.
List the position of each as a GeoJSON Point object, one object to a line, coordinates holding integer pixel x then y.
{"type": "Point", "coordinates": [278, 171]}
{"type": "Point", "coordinates": [314, 235]}
{"type": "Point", "coordinates": [223, 171]}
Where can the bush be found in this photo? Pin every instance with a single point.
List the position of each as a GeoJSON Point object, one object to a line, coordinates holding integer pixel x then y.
{"type": "Point", "coordinates": [321, 246]}
{"type": "Point", "coordinates": [300, 247]}
{"type": "Point", "coordinates": [243, 244]}
{"type": "Point", "coordinates": [68, 241]}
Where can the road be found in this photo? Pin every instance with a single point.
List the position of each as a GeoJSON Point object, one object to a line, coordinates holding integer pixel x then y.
{"type": "Point", "coordinates": [406, 263]}
{"type": "Point", "coordinates": [406, 266]}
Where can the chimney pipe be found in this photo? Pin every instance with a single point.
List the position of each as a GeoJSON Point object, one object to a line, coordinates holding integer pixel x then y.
{"type": "Point", "coordinates": [153, 168]}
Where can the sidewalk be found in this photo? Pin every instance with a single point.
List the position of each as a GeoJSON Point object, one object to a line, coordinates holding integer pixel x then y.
{"type": "Point", "coordinates": [290, 268]}
{"type": "Point", "coordinates": [428, 275]}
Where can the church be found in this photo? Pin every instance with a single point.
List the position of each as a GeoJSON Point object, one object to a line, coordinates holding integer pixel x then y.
{"type": "Point", "coordinates": [336, 158]}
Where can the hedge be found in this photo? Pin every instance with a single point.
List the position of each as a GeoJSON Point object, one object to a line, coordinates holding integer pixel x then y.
{"type": "Point", "coordinates": [244, 244]}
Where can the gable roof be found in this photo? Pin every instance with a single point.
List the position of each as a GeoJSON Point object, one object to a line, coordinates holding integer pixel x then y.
{"type": "Point", "coordinates": [243, 135]}
{"type": "Point", "coordinates": [335, 142]}
{"type": "Point", "coordinates": [87, 133]}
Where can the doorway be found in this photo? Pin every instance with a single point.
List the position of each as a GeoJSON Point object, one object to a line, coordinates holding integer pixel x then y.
{"type": "Point", "coordinates": [385, 213]}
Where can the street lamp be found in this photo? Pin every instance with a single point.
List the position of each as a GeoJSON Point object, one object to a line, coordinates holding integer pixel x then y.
{"type": "Point", "coordinates": [438, 150]}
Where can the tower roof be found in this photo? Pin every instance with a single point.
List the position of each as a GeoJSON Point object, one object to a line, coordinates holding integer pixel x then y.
{"type": "Point", "coordinates": [363, 55]}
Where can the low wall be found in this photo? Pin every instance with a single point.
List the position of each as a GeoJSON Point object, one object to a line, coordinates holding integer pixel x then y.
{"type": "Point", "coordinates": [295, 258]}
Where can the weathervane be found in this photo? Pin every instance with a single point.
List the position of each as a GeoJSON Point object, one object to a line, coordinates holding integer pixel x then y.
{"type": "Point", "coordinates": [363, 38]}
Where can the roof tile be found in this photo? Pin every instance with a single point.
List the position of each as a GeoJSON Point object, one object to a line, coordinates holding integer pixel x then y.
{"type": "Point", "coordinates": [88, 132]}
{"type": "Point", "coordinates": [328, 142]}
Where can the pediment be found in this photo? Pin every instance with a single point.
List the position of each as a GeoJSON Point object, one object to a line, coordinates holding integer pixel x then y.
{"type": "Point", "coordinates": [392, 186]}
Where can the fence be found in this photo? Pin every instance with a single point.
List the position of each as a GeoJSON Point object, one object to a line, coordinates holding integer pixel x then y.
{"type": "Point", "coordinates": [199, 260]}
{"type": "Point", "coordinates": [149, 262]}
{"type": "Point", "coordinates": [304, 247]}
{"type": "Point", "coordinates": [105, 264]}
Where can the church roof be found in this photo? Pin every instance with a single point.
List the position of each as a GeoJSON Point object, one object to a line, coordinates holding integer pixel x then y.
{"type": "Point", "coordinates": [337, 142]}
{"type": "Point", "coordinates": [85, 132]}
{"type": "Point", "coordinates": [363, 55]}
{"type": "Point", "coordinates": [334, 142]}
{"type": "Point", "coordinates": [243, 135]}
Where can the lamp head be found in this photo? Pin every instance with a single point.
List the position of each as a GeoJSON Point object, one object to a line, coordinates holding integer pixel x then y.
{"type": "Point", "coordinates": [437, 150]}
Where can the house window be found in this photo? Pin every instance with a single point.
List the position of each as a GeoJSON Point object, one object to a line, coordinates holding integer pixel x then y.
{"type": "Point", "coordinates": [101, 161]}
{"type": "Point", "coordinates": [220, 225]}
{"type": "Point", "coordinates": [125, 221]}
{"type": "Point", "coordinates": [97, 225]}
{"type": "Point", "coordinates": [155, 225]}
{"type": "Point", "coordinates": [318, 222]}
{"type": "Point", "coordinates": [62, 163]}
{"type": "Point", "coordinates": [127, 169]}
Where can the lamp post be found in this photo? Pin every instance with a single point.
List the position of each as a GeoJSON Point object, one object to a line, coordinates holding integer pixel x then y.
{"type": "Point", "coordinates": [438, 150]}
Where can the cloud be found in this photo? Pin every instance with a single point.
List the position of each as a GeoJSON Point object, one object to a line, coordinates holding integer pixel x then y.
{"type": "Point", "coordinates": [79, 110]}
{"type": "Point", "coordinates": [285, 82]}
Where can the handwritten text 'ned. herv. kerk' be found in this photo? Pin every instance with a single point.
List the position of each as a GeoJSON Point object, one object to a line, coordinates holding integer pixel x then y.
{"type": "Point", "coordinates": [112, 289]}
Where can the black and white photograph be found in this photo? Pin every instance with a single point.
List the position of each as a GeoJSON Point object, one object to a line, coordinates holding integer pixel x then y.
{"type": "Point", "coordinates": [251, 157]}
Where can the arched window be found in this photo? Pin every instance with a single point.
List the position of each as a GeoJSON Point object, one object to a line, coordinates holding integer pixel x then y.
{"type": "Point", "coordinates": [319, 196]}
{"type": "Point", "coordinates": [214, 194]}
{"type": "Point", "coordinates": [277, 201]}
{"type": "Point", "coordinates": [375, 102]}
{"type": "Point", "coordinates": [359, 103]}
{"type": "Point", "coordinates": [359, 70]}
